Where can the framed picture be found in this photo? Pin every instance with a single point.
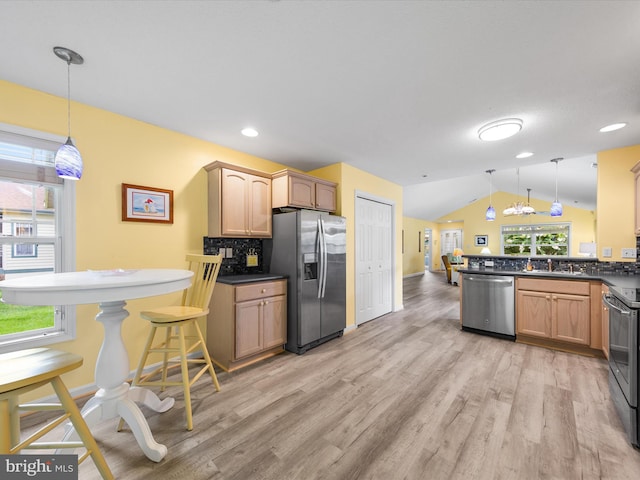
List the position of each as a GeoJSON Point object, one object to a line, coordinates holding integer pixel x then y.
{"type": "Point", "coordinates": [146, 204]}
{"type": "Point", "coordinates": [481, 240]}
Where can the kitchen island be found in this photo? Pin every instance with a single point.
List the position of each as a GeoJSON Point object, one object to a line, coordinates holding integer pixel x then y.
{"type": "Point", "coordinates": [562, 309]}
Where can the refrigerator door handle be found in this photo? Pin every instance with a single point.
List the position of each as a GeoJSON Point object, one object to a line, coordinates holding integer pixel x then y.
{"type": "Point", "coordinates": [322, 277]}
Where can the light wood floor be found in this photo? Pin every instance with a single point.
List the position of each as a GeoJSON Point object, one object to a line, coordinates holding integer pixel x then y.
{"type": "Point", "coordinates": [406, 396]}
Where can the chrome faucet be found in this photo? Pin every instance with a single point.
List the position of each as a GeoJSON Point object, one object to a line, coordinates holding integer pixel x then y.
{"type": "Point", "coordinates": [550, 265]}
{"type": "Point", "coordinates": [571, 268]}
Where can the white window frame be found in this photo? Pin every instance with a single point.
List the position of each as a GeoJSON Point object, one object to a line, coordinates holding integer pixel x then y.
{"type": "Point", "coordinates": [65, 245]}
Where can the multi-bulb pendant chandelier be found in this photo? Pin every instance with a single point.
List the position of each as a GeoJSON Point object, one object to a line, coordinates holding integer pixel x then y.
{"type": "Point", "coordinates": [490, 216]}
{"type": "Point", "coordinates": [68, 161]}
{"type": "Point", "coordinates": [556, 206]}
{"type": "Point", "coordinates": [518, 207]}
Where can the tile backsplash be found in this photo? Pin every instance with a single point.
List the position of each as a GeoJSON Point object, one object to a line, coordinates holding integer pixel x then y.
{"type": "Point", "coordinates": [240, 248]}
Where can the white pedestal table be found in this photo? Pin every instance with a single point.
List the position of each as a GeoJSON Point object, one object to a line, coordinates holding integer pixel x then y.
{"type": "Point", "coordinates": [110, 289]}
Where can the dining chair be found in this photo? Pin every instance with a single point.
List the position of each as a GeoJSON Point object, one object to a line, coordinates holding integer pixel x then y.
{"type": "Point", "coordinates": [26, 370]}
{"type": "Point", "coordinates": [178, 342]}
{"type": "Point", "coordinates": [447, 266]}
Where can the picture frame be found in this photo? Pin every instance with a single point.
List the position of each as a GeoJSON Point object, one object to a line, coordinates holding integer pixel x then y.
{"type": "Point", "coordinates": [146, 204]}
{"type": "Point", "coordinates": [481, 240]}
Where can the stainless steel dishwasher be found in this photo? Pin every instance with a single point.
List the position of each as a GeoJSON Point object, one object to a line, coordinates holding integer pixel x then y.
{"type": "Point", "coordinates": [488, 304]}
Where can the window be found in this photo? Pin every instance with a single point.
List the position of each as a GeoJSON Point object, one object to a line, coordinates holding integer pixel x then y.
{"type": "Point", "coordinates": [536, 240]}
{"type": "Point", "coordinates": [37, 231]}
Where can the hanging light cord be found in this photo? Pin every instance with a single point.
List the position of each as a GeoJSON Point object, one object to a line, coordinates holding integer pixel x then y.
{"type": "Point", "coordinates": [69, 97]}
{"type": "Point", "coordinates": [556, 162]}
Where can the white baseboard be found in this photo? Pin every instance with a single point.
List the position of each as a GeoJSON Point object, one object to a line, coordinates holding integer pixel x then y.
{"type": "Point", "coordinates": [419, 274]}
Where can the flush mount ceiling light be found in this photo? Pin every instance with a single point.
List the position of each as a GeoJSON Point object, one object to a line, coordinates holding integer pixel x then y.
{"type": "Point", "coordinates": [613, 127]}
{"type": "Point", "coordinates": [556, 206]}
{"type": "Point", "coordinates": [249, 132]}
{"type": "Point", "coordinates": [524, 155]}
{"type": "Point", "coordinates": [500, 129]}
{"type": "Point", "coordinates": [68, 161]}
{"type": "Point", "coordinates": [490, 216]}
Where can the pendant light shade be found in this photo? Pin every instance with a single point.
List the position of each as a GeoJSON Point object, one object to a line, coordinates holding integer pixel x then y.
{"type": "Point", "coordinates": [68, 161]}
{"type": "Point", "coordinates": [556, 206]}
{"type": "Point", "coordinates": [490, 215]}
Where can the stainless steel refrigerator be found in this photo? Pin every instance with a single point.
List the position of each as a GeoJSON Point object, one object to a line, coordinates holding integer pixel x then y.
{"type": "Point", "coordinates": [310, 248]}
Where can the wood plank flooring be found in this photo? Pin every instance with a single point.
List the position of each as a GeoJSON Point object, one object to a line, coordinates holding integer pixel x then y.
{"type": "Point", "coordinates": [406, 396]}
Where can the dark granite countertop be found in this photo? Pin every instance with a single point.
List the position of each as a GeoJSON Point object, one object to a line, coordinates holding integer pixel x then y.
{"type": "Point", "coordinates": [248, 278]}
{"type": "Point", "coordinates": [627, 287]}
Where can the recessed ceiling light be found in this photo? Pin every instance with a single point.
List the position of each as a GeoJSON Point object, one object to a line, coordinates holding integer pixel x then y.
{"type": "Point", "coordinates": [500, 129]}
{"type": "Point", "coordinates": [249, 132]}
{"type": "Point", "coordinates": [613, 127]}
{"type": "Point", "coordinates": [524, 155]}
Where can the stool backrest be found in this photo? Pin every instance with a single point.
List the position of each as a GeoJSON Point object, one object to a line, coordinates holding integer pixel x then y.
{"type": "Point", "coordinates": [205, 270]}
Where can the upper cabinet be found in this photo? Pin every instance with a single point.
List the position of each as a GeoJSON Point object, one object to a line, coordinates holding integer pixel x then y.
{"type": "Point", "coordinates": [636, 172]}
{"type": "Point", "coordinates": [294, 189]}
{"type": "Point", "coordinates": [239, 202]}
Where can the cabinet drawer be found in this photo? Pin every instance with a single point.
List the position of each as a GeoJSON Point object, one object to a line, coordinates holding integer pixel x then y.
{"type": "Point", "coordinates": [260, 290]}
{"type": "Point", "coordinates": [554, 286]}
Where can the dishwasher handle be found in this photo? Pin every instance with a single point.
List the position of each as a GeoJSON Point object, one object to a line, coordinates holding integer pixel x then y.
{"type": "Point", "coordinates": [486, 279]}
{"type": "Point", "coordinates": [606, 298]}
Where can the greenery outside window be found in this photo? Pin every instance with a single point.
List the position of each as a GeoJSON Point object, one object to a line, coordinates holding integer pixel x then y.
{"type": "Point", "coordinates": [536, 240]}
{"type": "Point", "coordinates": [37, 232]}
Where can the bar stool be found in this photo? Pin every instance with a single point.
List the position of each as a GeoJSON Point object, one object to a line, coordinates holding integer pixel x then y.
{"type": "Point", "coordinates": [26, 370]}
{"type": "Point", "coordinates": [176, 320]}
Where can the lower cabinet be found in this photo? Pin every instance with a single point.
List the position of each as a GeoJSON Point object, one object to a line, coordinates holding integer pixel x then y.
{"type": "Point", "coordinates": [247, 323]}
{"type": "Point", "coordinates": [559, 310]}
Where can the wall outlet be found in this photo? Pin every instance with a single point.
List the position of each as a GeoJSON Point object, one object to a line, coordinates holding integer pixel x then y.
{"type": "Point", "coordinates": [606, 252]}
{"type": "Point", "coordinates": [629, 253]}
{"type": "Point", "coordinates": [229, 252]}
{"type": "Point", "coordinates": [221, 252]}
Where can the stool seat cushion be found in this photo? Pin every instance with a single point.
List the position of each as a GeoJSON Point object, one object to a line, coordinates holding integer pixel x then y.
{"type": "Point", "coordinates": [26, 367]}
{"type": "Point", "coordinates": [174, 313]}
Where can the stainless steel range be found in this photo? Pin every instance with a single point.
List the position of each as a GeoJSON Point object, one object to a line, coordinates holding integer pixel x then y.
{"type": "Point", "coordinates": [624, 304]}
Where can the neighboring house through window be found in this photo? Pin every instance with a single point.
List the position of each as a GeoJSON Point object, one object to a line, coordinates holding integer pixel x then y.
{"type": "Point", "coordinates": [37, 232]}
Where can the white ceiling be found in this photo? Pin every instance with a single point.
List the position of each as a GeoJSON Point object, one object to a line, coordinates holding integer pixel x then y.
{"type": "Point", "coordinates": [395, 88]}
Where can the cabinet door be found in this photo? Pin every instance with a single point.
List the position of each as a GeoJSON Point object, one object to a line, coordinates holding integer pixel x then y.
{"type": "Point", "coordinates": [274, 321]}
{"type": "Point", "coordinates": [325, 197]}
{"type": "Point", "coordinates": [260, 211]}
{"type": "Point", "coordinates": [302, 192]}
{"type": "Point", "coordinates": [235, 203]}
{"type": "Point", "coordinates": [248, 328]}
{"type": "Point", "coordinates": [605, 324]}
{"type": "Point", "coordinates": [533, 313]}
{"type": "Point", "coordinates": [572, 318]}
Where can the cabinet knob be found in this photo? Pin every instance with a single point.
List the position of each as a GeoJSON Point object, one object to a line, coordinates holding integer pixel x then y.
{"type": "Point", "coordinates": [264, 290]}
{"type": "Point", "coordinates": [266, 303]}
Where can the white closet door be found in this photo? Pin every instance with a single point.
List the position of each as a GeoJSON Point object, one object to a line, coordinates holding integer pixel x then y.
{"type": "Point", "coordinates": [374, 259]}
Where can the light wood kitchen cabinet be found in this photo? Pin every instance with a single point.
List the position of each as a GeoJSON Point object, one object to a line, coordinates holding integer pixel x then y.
{"type": "Point", "coordinates": [605, 323]}
{"type": "Point", "coordinates": [636, 172]}
{"type": "Point", "coordinates": [247, 323]}
{"type": "Point", "coordinates": [294, 189]}
{"type": "Point", "coordinates": [559, 310]}
{"type": "Point", "coordinates": [239, 202]}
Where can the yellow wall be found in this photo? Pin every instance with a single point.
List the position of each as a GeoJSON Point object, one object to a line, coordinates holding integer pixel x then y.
{"type": "Point", "coordinates": [616, 200]}
{"type": "Point", "coordinates": [413, 256]}
{"type": "Point", "coordinates": [353, 180]}
{"type": "Point", "coordinates": [473, 222]}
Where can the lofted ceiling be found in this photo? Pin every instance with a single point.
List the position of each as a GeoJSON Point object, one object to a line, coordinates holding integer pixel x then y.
{"type": "Point", "coordinates": [395, 88]}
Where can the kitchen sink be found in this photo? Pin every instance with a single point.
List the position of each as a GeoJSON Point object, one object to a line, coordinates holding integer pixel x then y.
{"type": "Point", "coordinates": [555, 272]}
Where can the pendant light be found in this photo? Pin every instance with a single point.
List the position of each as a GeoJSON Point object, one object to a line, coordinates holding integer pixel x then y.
{"type": "Point", "coordinates": [490, 216]}
{"type": "Point", "coordinates": [519, 208]}
{"type": "Point", "coordinates": [556, 206]}
{"type": "Point", "coordinates": [68, 161]}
